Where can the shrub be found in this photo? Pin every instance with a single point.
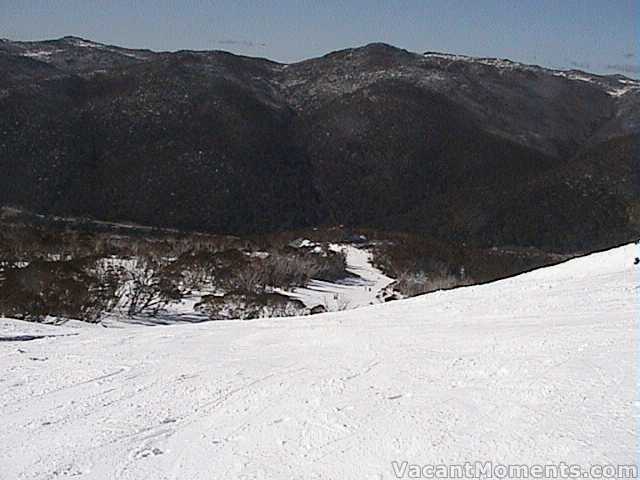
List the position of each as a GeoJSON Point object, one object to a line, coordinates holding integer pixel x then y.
{"type": "Point", "coordinates": [278, 269]}
{"type": "Point", "coordinates": [411, 284]}
{"type": "Point", "coordinates": [148, 287]}
{"type": "Point", "coordinates": [289, 270]}
{"type": "Point", "coordinates": [245, 306]}
{"type": "Point", "coordinates": [196, 269]}
{"type": "Point", "coordinates": [332, 266]}
{"type": "Point", "coordinates": [295, 269]}
{"type": "Point", "coordinates": [61, 289]}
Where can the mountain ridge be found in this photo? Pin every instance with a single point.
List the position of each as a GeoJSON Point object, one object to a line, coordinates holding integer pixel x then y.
{"type": "Point", "coordinates": [495, 61]}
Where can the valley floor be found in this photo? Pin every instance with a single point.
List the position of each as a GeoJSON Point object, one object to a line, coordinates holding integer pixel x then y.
{"type": "Point", "coordinates": [538, 368]}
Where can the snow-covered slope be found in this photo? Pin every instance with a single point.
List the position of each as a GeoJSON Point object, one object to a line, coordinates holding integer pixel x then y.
{"type": "Point", "coordinates": [535, 369]}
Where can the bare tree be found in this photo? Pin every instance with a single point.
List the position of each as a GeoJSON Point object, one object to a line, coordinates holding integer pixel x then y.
{"type": "Point", "coordinates": [146, 290]}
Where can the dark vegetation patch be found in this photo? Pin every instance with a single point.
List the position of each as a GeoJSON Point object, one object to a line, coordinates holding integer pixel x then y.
{"type": "Point", "coordinates": [57, 270]}
{"type": "Point", "coordinates": [422, 264]}
{"type": "Point", "coordinates": [57, 288]}
{"type": "Point", "coordinates": [63, 269]}
{"type": "Point", "coordinates": [408, 253]}
{"type": "Point", "coordinates": [376, 136]}
{"type": "Point", "coordinates": [246, 305]}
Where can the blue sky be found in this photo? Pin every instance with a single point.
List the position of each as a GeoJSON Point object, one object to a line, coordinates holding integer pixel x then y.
{"type": "Point", "coordinates": [595, 35]}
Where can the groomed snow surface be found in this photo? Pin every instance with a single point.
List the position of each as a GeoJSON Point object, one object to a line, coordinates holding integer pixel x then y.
{"type": "Point", "coordinates": [539, 368]}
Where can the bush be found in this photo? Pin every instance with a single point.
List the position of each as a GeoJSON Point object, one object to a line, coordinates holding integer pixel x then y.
{"type": "Point", "coordinates": [60, 289]}
{"type": "Point", "coordinates": [296, 269]}
{"type": "Point", "coordinates": [410, 284]}
{"type": "Point", "coordinates": [148, 287]}
{"type": "Point", "coordinates": [289, 270]}
{"type": "Point", "coordinates": [279, 269]}
{"type": "Point", "coordinates": [196, 269]}
{"type": "Point", "coordinates": [332, 266]}
{"type": "Point", "coordinates": [246, 306]}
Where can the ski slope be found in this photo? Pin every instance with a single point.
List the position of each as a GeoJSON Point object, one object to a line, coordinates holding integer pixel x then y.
{"type": "Point", "coordinates": [360, 290]}
{"type": "Point", "coordinates": [538, 368]}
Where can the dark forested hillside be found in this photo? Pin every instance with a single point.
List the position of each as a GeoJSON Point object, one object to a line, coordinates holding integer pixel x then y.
{"type": "Point", "coordinates": [484, 151]}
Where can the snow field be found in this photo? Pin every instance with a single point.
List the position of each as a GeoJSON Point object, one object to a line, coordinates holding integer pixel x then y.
{"type": "Point", "coordinates": [538, 368]}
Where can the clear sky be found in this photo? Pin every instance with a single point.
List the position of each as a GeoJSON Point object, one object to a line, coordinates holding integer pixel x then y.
{"type": "Point", "coordinates": [594, 35]}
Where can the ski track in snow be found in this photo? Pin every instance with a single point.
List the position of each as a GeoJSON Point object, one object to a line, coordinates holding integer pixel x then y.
{"type": "Point", "coordinates": [538, 368]}
{"type": "Point", "coordinates": [360, 290]}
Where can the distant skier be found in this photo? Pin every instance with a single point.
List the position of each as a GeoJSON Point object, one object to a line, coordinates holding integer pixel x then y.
{"type": "Point", "coordinates": [637, 261]}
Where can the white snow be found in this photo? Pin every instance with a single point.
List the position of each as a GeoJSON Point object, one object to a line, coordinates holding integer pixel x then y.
{"type": "Point", "coordinates": [618, 92]}
{"type": "Point", "coordinates": [502, 63]}
{"type": "Point", "coordinates": [574, 76]}
{"type": "Point", "coordinates": [84, 43]}
{"type": "Point", "coordinates": [626, 85]}
{"type": "Point", "coordinates": [535, 369]}
{"type": "Point", "coordinates": [41, 54]}
{"type": "Point", "coordinates": [358, 291]}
